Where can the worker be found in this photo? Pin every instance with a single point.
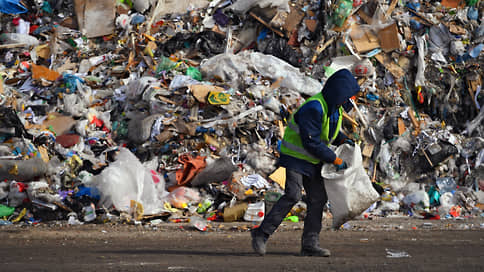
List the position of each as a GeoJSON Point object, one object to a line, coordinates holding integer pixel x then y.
{"type": "Point", "coordinates": [305, 147]}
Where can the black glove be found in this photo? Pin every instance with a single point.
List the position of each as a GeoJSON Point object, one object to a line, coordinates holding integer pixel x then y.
{"type": "Point", "coordinates": [377, 187]}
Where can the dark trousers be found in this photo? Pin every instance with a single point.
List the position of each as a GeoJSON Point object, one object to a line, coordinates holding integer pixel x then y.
{"type": "Point", "coordinates": [316, 199]}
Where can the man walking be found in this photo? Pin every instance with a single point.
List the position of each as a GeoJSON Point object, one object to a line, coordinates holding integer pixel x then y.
{"type": "Point", "coordinates": [305, 147]}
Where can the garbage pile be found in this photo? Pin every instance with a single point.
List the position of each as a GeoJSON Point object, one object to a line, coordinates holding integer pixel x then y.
{"type": "Point", "coordinates": [146, 111]}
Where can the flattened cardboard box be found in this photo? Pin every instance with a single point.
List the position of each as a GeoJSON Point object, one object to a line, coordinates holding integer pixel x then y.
{"type": "Point", "coordinates": [95, 17]}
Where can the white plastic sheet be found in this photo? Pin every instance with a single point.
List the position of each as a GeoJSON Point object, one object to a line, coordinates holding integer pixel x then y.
{"type": "Point", "coordinates": [237, 68]}
{"type": "Point", "coordinates": [127, 179]}
{"type": "Point", "coordinates": [246, 5]}
{"type": "Point", "coordinates": [420, 79]}
{"type": "Point", "coordinates": [349, 191]}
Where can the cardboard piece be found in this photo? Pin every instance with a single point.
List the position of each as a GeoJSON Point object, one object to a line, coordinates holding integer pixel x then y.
{"type": "Point", "coordinates": [235, 213]}
{"type": "Point", "coordinates": [293, 19]}
{"type": "Point", "coordinates": [95, 17]}
{"type": "Point", "coordinates": [211, 141]}
{"type": "Point", "coordinates": [401, 127]}
{"type": "Point", "coordinates": [164, 136]}
{"type": "Point", "coordinates": [200, 92]}
{"type": "Point", "coordinates": [43, 51]}
{"type": "Point", "coordinates": [388, 37]}
{"type": "Point", "coordinates": [185, 128]}
{"type": "Point", "coordinates": [42, 72]}
{"type": "Point", "coordinates": [367, 150]}
{"type": "Point", "coordinates": [67, 65]}
{"type": "Point", "coordinates": [455, 29]}
{"type": "Point", "coordinates": [452, 3]}
{"type": "Point", "coordinates": [364, 40]}
{"type": "Point", "coordinates": [60, 124]}
{"type": "Point", "coordinates": [311, 24]}
{"type": "Point", "coordinates": [391, 66]}
{"type": "Point", "coordinates": [473, 81]}
{"type": "Point", "coordinates": [279, 19]}
{"type": "Point", "coordinates": [279, 177]}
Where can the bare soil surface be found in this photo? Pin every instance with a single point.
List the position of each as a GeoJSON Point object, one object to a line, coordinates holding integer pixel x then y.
{"type": "Point", "coordinates": [419, 245]}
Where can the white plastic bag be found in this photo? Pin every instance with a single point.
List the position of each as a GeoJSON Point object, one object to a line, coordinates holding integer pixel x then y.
{"type": "Point", "coordinates": [127, 179]}
{"type": "Point", "coordinates": [349, 191]}
{"type": "Point", "coordinates": [419, 201]}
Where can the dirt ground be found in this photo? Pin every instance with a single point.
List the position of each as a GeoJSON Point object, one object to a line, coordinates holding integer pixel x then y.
{"type": "Point", "coordinates": [447, 245]}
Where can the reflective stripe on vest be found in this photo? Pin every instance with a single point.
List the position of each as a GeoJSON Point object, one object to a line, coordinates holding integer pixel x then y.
{"type": "Point", "coordinates": [295, 127]}
{"type": "Point", "coordinates": [298, 149]}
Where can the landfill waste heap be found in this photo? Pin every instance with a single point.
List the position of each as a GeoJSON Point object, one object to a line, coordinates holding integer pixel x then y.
{"type": "Point", "coordinates": [145, 111]}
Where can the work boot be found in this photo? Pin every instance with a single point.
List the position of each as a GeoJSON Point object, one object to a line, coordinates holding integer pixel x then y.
{"type": "Point", "coordinates": [258, 241]}
{"type": "Point", "coordinates": [310, 246]}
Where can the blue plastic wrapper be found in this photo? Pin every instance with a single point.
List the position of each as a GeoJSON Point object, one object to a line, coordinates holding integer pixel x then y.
{"type": "Point", "coordinates": [12, 7]}
{"type": "Point", "coordinates": [71, 81]}
{"type": "Point", "coordinates": [137, 19]}
{"type": "Point", "coordinates": [88, 191]}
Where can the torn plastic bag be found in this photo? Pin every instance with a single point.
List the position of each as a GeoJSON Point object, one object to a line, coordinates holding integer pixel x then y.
{"type": "Point", "coordinates": [279, 47]}
{"type": "Point", "coordinates": [217, 171]}
{"type": "Point", "coordinates": [28, 40]}
{"type": "Point", "coordinates": [191, 167]}
{"type": "Point", "coordinates": [419, 201]}
{"type": "Point", "coordinates": [10, 124]}
{"type": "Point", "coordinates": [182, 197]}
{"type": "Point", "coordinates": [208, 43]}
{"type": "Point", "coordinates": [22, 170]}
{"type": "Point", "coordinates": [127, 179]}
{"type": "Point", "coordinates": [349, 191]}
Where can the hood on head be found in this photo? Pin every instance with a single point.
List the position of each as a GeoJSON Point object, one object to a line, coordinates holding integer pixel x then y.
{"type": "Point", "coordinates": [338, 89]}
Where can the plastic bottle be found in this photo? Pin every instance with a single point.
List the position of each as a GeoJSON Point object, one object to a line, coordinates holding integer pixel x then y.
{"type": "Point", "coordinates": [89, 213]}
{"type": "Point", "coordinates": [23, 27]}
{"type": "Point", "coordinates": [472, 13]}
{"type": "Point", "coordinates": [100, 59]}
{"type": "Point", "coordinates": [255, 212]}
{"type": "Point", "coordinates": [474, 52]}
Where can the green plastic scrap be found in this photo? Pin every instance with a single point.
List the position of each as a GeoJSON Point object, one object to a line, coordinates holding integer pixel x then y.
{"type": "Point", "coordinates": [127, 2]}
{"type": "Point", "coordinates": [471, 2]}
{"type": "Point", "coordinates": [165, 65]}
{"type": "Point", "coordinates": [341, 11]}
{"type": "Point", "coordinates": [434, 196]}
{"type": "Point", "coordinates": [194, 73]}
{"type": "Point", "coordinates": [293, 218]}
{"type": "Point", "coordinates": [6, 210]}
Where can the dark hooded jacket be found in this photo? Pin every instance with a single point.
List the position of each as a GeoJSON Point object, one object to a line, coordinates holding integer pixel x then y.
{"type": "Point", "coordinates": [336, 92]}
